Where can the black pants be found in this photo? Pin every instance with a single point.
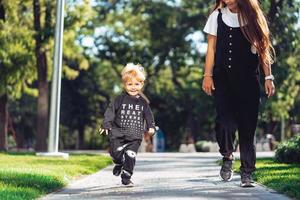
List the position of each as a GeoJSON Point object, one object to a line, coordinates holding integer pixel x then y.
{"type": "Point", "coordinates": [124, 153]}
{"type": "Point", "coordinates": [237, 110]}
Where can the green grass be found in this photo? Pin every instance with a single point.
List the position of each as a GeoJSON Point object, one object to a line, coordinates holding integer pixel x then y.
{"type": "Point", "coordinates": [284, 178]}
{"type": "Point", "coordinates": [26, 176]}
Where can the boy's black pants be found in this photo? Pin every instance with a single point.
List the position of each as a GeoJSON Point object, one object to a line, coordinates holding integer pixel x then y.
{"type": "Point", "coordinates": [124, 153]}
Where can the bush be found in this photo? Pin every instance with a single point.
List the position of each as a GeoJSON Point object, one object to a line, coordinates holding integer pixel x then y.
{"type": "Point", "coordinates": [289, 151]}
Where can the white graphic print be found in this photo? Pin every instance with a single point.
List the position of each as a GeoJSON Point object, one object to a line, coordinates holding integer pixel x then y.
{"type": "Point", "coordinates": [121, 147]}
{"type": "Point", "coordinates": [132, 118]}
{"type": "Point", "coordinates": [131, 153]}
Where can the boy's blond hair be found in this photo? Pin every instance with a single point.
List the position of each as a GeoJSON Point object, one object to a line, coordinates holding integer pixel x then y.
{"type": "Point", "coordinates": [131, 71]}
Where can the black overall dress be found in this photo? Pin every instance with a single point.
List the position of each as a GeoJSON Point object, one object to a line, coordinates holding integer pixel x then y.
{"type": "Point", "coordinates": [237, 93]}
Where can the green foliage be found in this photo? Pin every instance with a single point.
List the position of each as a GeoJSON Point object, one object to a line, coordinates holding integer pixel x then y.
{"type": "Point", "coordinates": [289, 151]}
{"type": "Point", "coordinates": [289, 89]}
{"type": "Point", "coordinates": [16, 53]}
{"type": "Point", "coordinates": [93, 91]}
{"type": "Point", "coordinates": [18, 72]}
{"type": "Point", "coordinates": [284, 178]}
{"type": "Point", "coordinates": [285, 38]}
{"type": "Point", "coordinates": [23, 112]}
{"type": "Point", "coordinates": [157, 36]}
{"type": "Point", "coordinates": [26, 176]}
{"type": "Point", "coordinates": [79, 14]}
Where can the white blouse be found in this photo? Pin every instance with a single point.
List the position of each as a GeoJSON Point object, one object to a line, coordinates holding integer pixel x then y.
{"type": "Point", "coordinates": [228, 17]}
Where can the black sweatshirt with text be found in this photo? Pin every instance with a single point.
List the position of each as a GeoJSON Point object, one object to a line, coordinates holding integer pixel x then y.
{"type": "Point", "coordinates": [126, 116]}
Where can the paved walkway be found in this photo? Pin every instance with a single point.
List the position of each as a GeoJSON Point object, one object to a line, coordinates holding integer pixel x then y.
{"type": "Point", "coordinates": [166, 176]}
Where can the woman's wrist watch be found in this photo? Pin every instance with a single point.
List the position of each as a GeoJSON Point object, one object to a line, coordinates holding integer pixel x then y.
{"type": "Point", "coordinates": [270, 77]}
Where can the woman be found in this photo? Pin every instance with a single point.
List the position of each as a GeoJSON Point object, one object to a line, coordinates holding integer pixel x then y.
{"type": "Point", "coordinates": [238, 42]}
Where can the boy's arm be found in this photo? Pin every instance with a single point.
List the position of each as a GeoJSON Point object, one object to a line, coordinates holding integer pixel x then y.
{"type": "Point", "coordinates": [150, 124]}
{"type": "Point", "coordinates": [109, 116]}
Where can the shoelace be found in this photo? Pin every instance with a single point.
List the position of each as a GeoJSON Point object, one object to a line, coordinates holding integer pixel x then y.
{"type": "Point", "coordinates": [226, 166]}
{"type": "Point", "coordinates": [246, 176]}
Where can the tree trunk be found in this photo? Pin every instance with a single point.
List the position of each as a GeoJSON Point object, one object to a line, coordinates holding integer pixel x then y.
{"type": "Point", "coordinates": [80, 138]}
{"type": "Point", "coordinates": [42, 110]}
{"type": "Point", "coordinates": [190, 128]}
{"type": "Point", "coordinates": [3, 122]}
{"type": "Point", "coordinates": [10, 129]}
{"type": "Point", "coordinates": [42, 102]}
{"type": "Point", "coordinates": [282, 129]}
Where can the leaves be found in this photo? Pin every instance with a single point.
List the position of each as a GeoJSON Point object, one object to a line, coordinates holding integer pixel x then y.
{"type": "Point", "coordinates": [16, 53]}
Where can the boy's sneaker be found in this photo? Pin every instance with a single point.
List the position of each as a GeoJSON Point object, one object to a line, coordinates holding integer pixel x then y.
{"type": "Point", "coordinates": [226, 171]}
{"type": "Point", "coordinates": [246, 180]}
{"type": "Point", "coordinates": [127, 182]}
{"type": "Point", "coordinates": [117, 169]}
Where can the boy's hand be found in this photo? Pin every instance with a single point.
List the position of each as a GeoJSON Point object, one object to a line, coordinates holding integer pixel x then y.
{"type": "Point", "coordinates": [151, 131]}
{"type": "Point", "coordinates": [102, 130]}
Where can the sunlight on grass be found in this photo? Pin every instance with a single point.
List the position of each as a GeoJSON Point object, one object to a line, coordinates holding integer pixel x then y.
{"type": "Point", "coordinates": [284, 178]}
{"type": "Point", "coordinates": [26, 176]}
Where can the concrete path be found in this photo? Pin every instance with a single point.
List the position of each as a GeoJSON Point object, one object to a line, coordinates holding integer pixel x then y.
{"type": "Point", "coordinates": [166, 176]}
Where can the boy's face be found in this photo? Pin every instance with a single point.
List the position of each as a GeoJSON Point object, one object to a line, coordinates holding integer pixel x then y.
{"type": "Point", "coordinates": [133, 87]}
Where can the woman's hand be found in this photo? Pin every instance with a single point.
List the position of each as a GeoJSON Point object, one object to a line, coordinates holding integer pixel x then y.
{"type": "Point", "coordinates": [208, 85]}
{"type": "Point", "coordinates": [269, 88]}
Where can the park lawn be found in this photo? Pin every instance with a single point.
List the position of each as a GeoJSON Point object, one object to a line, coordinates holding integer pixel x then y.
{"type": "Point", "coordinates": [284, 178]}
{"type": "Point", "coordinates": [26, 176]}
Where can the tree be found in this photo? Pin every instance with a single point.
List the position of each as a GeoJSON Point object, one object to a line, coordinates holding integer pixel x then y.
{"type": "Point", "coordinates": [82, 99]}
{"type": "Point", "coordinates": [78, 13]}
{"type": "Point", "coordinates": [157, 36]}
{"type": "Point", "coordinates": [15, 58]}
{"type": "Point", "coordinates": [42, 35]}
{"type": "Point", "coordinates": [283, 19]}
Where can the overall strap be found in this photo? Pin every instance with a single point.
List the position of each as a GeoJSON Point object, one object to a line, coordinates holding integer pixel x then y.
{"type": "Point", "coordinates": [219, 16]}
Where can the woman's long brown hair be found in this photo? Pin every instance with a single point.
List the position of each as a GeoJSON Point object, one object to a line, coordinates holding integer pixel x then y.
{"type": "Point", "coordinates": [256, 29]}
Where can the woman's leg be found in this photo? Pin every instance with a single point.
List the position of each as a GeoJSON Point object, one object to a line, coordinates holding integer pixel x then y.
{"type": "Point", "coordinates": [247, 120]}
{"type": "Point", "coordinates": [226, 123]}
